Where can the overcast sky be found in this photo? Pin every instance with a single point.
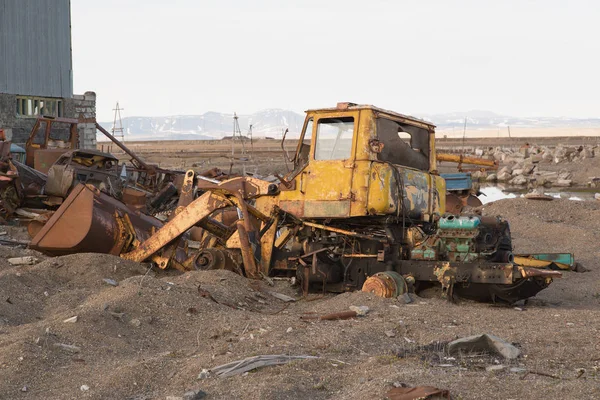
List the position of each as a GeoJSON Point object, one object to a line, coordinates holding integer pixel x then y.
{"type": "Point", "coordinates": [516, 57]}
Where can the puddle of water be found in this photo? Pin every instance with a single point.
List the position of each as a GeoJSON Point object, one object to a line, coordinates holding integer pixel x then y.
{"type": "Point", "coordinates": [493, 193]}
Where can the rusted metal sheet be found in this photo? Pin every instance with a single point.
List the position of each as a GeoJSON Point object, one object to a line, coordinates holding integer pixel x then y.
{"type": "Point", "coordinates": [294, 207]}
{"type": "Point", "coordinates": [327, 209]}
{"type": "Point", "coordinates": [45, 158]}
{"type": "Point", "coordinates": [417, 393]}
{"type": "Point", "coordinates": [134, 198]}
{"type": "Point", "coordinates": [49, 141]}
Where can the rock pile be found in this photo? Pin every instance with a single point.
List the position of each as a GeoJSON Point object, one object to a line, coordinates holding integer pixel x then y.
{"type": "Point", "coordinates": [525, 166]}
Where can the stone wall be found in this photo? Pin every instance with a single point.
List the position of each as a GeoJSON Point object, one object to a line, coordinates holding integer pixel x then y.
{"type": "Point", "coordinates": [85, 111]}
{"type": "Point", "coordinates": [16, 128]}
{"type": "Point", "coordinates": [82, 107]}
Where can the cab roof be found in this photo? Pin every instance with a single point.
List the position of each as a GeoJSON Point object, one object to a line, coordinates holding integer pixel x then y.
{"type": "Point", "coordinates": [352, 106]}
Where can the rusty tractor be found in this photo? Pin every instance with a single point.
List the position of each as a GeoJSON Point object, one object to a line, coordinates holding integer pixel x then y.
{"type": "Point", "coordinates": [363, 208]}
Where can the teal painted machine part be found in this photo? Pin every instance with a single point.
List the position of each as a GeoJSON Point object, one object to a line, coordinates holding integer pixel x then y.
{"type": "Point", "coordinates": [563, 258]}
{"type": "Point", "coordinates": [456, 222]}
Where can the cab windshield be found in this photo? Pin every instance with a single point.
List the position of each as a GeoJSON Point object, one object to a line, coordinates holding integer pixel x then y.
{"type": "Point", "coordinates": [334, 138]}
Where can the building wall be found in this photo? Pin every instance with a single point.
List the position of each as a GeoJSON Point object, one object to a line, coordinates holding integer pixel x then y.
{"type": "Point", "coordinates": [81, 107]}
{"type": "Point", "coordinates": [35, 48]}
{"type": "Point", "coordinates": [84, 108]}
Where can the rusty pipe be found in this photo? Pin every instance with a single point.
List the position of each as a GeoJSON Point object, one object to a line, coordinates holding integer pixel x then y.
{"type": "Point", "coordinates": [141, 164]}
{"type": "Point", "coordinates": [462, 159]}
{"type": "Point", "coordinates": [332, 317]}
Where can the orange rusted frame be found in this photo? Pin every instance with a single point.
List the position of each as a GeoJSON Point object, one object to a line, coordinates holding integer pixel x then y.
{"type": "Point", "coordinates": [185, 198]}
{"type": "Point", "coordinates": [229, 193]}
{"type": "Point", "coordinates": [199, 209]}
{"type": "Point", "coordinates": [247, 254]}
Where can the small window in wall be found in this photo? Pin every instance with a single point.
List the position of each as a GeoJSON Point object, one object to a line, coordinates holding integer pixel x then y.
{"type": "Point", "coordinates": [28, 106]}
{"type": "Point", "coordinates": [334, 138]}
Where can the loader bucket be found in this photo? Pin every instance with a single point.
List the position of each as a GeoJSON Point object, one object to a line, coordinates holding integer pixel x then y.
{"type": "Point", "coordinates": [91, 221]}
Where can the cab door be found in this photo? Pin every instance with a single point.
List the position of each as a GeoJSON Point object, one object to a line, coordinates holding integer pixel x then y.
{"type": "Point", "coordinates": [326, 182]}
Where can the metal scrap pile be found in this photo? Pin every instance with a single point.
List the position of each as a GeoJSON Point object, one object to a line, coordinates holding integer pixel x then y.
{"type": "Point", "coordinates": [352, 214]}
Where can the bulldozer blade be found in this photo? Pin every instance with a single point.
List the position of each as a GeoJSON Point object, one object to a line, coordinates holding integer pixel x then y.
{"type": "Point", "coordinates": [91, 221]}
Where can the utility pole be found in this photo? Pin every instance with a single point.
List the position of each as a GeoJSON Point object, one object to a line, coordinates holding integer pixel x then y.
{"type": "Point", "coordinates": [237, 132]}
{"type": "Point", "coordinates": [117, 129]}
{"type": "Point", "coordinates": [251, 143]}
{"type": "Point", "coordinates": [464, 135]}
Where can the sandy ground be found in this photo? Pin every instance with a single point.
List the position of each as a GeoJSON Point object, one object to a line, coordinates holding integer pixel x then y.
{"type": "Point", "coordinates": [151, 336]}
{"type": "Point", "coordinates": [263, 156]}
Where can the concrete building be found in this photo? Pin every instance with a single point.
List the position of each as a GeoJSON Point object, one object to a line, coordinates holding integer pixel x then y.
{"type": "Point", "coordinates": [36, 75]}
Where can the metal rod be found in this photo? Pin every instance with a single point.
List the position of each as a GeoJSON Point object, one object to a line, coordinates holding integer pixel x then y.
{"type": "Point", "coordinates": [459, 158]}
{"type": "Point", "coordinates": [204, 178]}
{"type": "Point", "coordinates": [130, 153]}
{"type": "Point", "coordinates": [344, 232]}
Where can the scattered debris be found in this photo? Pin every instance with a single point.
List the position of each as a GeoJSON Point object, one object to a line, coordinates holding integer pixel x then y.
{"type": "Point", "coordinates": [110, 282]}
{"type": "Point", "coordinates": [27, 260]}
{"type": "Point", "coordinates": [194, 395]}
{"type": "Point", "coordinates": [417, 393]}
{"type": "Point", "coordinates": [355, 311]}
{"type": "Point", "coordinates": [72, 319]}
{"type": "Point", "coordinates": [84, 388]}
{"type": "Point", "coordinates": [484, 343]}
{"type": "Point", "coordinates": [135, 322]}
{"type": "Point", "coordinates": [495, 368]}
{"type": "Point", "coordinates": [541, 374]}
{"type": "Point", "coordinates": [68, 347]}
{"type": "Point", "coordinates": [204, 374]}
{"type": "Point", "coordinates": [282, 297]}
{"type": "Point", "coordinates": [538, 195]}
{"type": "Point", "coordinates": [248, 364]}
{"type": "Point", "coordinates": [361, 311]}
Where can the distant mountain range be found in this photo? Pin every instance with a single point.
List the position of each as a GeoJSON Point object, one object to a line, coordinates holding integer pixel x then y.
{"type": "Point", "coordinates": [210, 125]}
{"type": "Point", "coordinates": [479, 119]}
{"type": "Point", "coordinates": [273, 122]}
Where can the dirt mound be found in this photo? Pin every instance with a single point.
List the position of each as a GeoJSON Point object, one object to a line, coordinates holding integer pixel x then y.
{"type": "Point", "coordinates": [555, 226]}
{"type": "Point", "coordinates": [150, 336]}
{"type": "Point", "coordinates": [558, 226]}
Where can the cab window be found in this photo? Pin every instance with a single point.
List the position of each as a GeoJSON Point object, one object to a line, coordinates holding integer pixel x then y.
{"type": "Point", "coordinates": [334, 138]}
{"type": "Point", "coordinates": [403, 144]}
{"type": "Point", "coordinates": [303, 151]}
